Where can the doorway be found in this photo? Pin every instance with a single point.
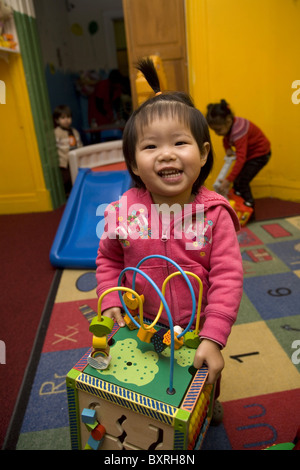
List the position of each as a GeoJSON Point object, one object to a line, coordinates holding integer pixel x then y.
{"type": "Point", "coordinates": [82, 42]}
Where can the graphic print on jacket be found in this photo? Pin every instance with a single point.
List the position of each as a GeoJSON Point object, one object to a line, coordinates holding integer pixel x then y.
{"type": "Point", "coordinates": [131, 226]}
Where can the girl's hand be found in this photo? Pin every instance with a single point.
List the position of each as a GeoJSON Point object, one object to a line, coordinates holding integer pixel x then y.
{"type": "Point", "coordinates": [208, 352]}
{"type": "Point", "coordinates": [115, 314]}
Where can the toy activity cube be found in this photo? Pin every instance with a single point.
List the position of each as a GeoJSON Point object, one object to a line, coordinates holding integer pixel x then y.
{"type": "Point", "coordinates": [139, 416]}
{"type": "Point", "coordinates": [136, 388]}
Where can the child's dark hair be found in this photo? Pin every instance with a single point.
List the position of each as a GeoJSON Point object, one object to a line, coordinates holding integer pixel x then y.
{"type": "Point", "coordinates": [61, 110]}
{"type": "Point", "coordinates": [174, 104]}
{"type": "Point", "coordinates": [217, 112]}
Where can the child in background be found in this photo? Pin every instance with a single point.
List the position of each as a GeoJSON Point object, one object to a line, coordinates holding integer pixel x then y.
{"type": "Point", "coordinates": [167, 149]}
{"type": "Point", "coordinates": [252, 148]}
{"type": "Point", "coordinates": [67, 138]}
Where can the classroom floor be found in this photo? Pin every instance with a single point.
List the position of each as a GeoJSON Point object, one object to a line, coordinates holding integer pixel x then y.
{"type": "Point", "coordinates": [26, 278]}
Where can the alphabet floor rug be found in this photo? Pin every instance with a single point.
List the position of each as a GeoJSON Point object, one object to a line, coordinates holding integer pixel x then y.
{"type": "Point", "coordinates": [260, 388]}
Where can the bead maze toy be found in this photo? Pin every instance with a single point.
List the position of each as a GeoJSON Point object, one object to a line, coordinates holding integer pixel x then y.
{"type": "Point", "coordinates": [136, 387]}
{"type": "Point", "coordinates": [237, 202]}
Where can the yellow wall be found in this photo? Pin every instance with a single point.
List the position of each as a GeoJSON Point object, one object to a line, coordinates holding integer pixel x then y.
{"type": "Point", "coordinates": [247, 52]}
{"type": "Point", "coordinates": [22, 185]}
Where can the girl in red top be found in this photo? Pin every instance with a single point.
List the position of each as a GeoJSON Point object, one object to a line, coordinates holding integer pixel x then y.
{"type": "Point", "coordinates": [245, 141]}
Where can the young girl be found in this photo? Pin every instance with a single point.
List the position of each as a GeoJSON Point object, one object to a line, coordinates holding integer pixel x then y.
{"type": "Point", "coordinates": [252, 148]}
{"type": "Point", "coordinates": [167, 149]}
{"type": "Point", "coordinates": [67, 138]}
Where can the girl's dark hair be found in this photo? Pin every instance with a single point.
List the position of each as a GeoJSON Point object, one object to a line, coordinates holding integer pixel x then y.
{"type": "Point", "coordinates": [217, 112]}
{"type": "Point", "coordinates": [174, 104]}
{"type": "Point", "coordinates": [61, 110]}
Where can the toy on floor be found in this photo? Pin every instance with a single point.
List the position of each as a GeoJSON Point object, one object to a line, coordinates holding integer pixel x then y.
{"type": "Point", "coordinates": [237, 202]}
{"type": "Point", "coordinates": [136, 387]}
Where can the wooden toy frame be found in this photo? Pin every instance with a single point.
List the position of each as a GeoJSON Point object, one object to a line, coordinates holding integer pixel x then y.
{"type": "Point", "coordinates": [136, 404]}
{"type": "Point", "coordinates": [126, 414]}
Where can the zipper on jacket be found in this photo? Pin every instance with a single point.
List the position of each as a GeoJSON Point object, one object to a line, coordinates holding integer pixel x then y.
{"type": "Point", "coordinates": [164, 229]}
{"type": "Point", "coordinates": [164, 237]}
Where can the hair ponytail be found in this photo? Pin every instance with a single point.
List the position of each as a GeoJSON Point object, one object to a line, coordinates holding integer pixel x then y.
{"type": "Point", "coordinates": [147, 68]}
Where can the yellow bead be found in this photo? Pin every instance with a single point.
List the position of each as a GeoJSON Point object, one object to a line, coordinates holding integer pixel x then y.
{"type": "Point", "coordinates": [99, 342]}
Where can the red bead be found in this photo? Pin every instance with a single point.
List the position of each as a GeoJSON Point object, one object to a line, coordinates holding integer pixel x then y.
{"type": "Point", "coordinates": [98, 432]}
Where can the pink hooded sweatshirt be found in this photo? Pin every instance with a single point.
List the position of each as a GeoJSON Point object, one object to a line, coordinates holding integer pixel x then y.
{"type": "Point", "coordinates": [201, 239]}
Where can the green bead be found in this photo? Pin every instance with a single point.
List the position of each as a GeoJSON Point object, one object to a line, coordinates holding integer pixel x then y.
{"type": "Point", "coordinates": [191, 340]}
{"type": "Point", "coordinates": [101, 327]}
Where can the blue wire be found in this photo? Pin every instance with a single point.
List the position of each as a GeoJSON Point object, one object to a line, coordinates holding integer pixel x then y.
{"type": "Point", "coordinates": [136, 270]}
{"type": "Point", "coordinates": [187, 281]}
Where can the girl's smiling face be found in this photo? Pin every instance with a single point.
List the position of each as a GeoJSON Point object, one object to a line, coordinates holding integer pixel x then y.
{"type": "Point", "coordinates": [168, 160]}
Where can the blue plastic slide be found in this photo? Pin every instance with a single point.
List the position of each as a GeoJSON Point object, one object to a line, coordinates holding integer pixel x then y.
{"type": "Point", "coordinates": [81, 226]}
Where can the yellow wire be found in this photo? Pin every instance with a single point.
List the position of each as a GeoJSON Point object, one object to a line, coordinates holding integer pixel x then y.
{"type": "Point", "coordinates": [127, 289]}
{"type": "Point", "coordinates": [199, 299]}
{"type": "Point", "coordinates": [163, 293]}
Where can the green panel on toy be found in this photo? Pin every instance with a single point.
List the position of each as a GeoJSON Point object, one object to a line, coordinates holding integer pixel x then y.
{"type": "Point", "coordinates": [130, 365]}
{"type": "Point", "coordinates": [138, 367]}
